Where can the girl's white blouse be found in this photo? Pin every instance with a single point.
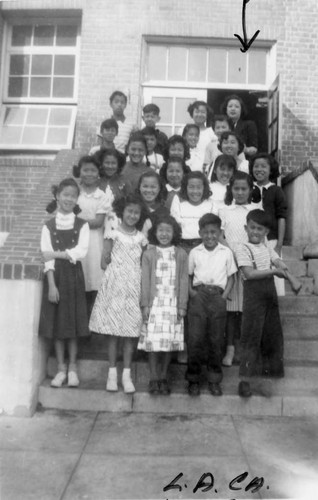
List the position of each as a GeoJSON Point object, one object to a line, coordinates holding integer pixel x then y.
{"type": "Point", "coordinates": [65, 222]}
{"type": "Point", "coordinates": [188, 215]}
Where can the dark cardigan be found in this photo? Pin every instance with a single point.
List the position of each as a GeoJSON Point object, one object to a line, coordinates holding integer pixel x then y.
{"type": "Point", "coordinates": [247, 130]}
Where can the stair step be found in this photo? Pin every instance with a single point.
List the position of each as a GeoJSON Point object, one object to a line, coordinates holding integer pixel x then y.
{"type": "Point", "coordinates": [301, 305]}
{"type": "Point", "coordinates": [306, 289]}
{"type": "Point", "coordinates": [301, 350]}
{"type": "Point", "coordinates": [297, 267]}
{"type": "Point", "coordinates": [292, 252]}
{"type": "Point", "coordinates": [299, 327]}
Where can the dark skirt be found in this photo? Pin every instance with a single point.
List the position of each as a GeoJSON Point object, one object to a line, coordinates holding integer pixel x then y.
{"type": "Point", "coordinates": [67, 319]}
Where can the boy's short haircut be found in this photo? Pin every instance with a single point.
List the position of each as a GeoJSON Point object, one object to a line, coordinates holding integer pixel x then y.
{"type": "Point", "coordinates": [149, 131]}
{"type": "Point", "coordinates": [117, 93]}
{"type": "Point", "coordinates": [151, 108]}
{"type": "Point", "coordinates": [260, 217]}
{"type": "Point", "coordinates": [109, 123]}
{"type": "Point", "coordinates": [207, 219]}
{"type": "Point", "coordinates": [221, 118]}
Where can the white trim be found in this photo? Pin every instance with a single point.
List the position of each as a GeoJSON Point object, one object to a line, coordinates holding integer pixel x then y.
{"type": "Point", "coordinates": [202, 86]}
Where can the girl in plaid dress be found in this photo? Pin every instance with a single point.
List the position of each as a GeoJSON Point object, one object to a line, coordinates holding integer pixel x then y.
{"type": "Point", "coordinates": [164, 296]}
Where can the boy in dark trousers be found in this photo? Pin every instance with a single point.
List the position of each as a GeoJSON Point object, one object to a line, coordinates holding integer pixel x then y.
{"type": "Point", "coordinates": [211, 270]}
{"type": "Point", "coordinates": [261, 332]}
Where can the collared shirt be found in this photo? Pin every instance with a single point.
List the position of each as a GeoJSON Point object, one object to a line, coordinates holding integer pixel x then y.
{"type": "Point", "coordinates": [211, 267]}
{"type": "Point", "coordinates": [125, 128]}
{"type": "Point", "coordinates": [188, 215]}
{"type": "Point", "coordinates": [233, 222]}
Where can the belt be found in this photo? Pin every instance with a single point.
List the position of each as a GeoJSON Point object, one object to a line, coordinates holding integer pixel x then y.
{"type": "Point", "coordinates": [212, 289]}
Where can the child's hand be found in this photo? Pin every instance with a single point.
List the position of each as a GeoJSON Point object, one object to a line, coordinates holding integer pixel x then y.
{"type": "Point", "coordinates": [54, 295]}
{"type": "Point", "coordinates": [192, 293]}
{"type": "Point", "coordinates": [278, 249]}
{"type": "Point", "coordinates": [181, 314]}
{"type": "Point", "coordinates": [145, 314]}
{"type": "Point", "coordinates": [280, 264]}
{"type": "Point", "coordinates": [105, 260]}
{"type": "Point", "coordinates": [280, 273]}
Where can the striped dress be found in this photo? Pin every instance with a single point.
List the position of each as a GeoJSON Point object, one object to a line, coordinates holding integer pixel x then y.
{"type": "Point", "coordinates": [233, 221]}
{"type": "Point", "coordinates": [116, 310]}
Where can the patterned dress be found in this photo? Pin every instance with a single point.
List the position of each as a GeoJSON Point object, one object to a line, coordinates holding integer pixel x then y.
{"type": "Point", "coordinates": [116, 310]}
{"type": "Point", "coordinates": [163, 332]}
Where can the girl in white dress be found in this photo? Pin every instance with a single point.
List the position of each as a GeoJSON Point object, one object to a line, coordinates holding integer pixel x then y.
{"type": "Point", "coordinates": [116, 311]}
{"type": "Point", "coordinates": [224, 168]}
{"type": "Point", "coordinates": [164, 297]}
{"type": "Point", "coordinates": [233, 216]}
{"type": "Point", "coordinates": [94, 204]}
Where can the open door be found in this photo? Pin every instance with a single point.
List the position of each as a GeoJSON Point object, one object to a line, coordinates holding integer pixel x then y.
{"type": "Point", "coordinates": [274, 120]}
{"type": "Point", "coordinates": [173, 104]}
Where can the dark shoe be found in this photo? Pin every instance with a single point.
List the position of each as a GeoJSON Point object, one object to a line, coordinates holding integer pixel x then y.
{"type": "Point", "coordinates": [153, 387]}
{"type": "Point", "coordinates": [244, 390]}
{"type": "Point", "coordinates": [164, 387]}
{"type": "Point", "coordinates": [215, 389]}
{"type": "Point", "coordinates": [193, 389]}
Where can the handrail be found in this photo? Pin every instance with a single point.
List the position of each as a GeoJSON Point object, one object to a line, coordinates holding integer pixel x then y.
{"type": "Point", "coordinates": [291, 176]}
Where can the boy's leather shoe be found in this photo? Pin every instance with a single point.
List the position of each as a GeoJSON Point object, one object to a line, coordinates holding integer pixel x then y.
{"type": "Point", "coordinates": [164, 387]}
{"type": "Point", "coordinates": [194, 389]}
{"type": "Point", "coordinates": [153, 387]}
{"type": "Point", "coordinates": [244, 390]}
{"type": "Point", "coordinates": [215, 389]}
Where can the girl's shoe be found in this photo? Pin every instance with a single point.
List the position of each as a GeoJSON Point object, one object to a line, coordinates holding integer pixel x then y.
{"type": "Point", "coordinates": [228, 358]}
{"type": "Point", "coordinates": [164, 387]}
{"type": "Point", "coordinates": [72, 379]}
{"type": "Point", "coordinates": [128, 385]}
{"type": "Point", "coordinates": [59, 379]}
{"type": "Point", "coordinates": [153, 387]}
{"type": "Point", "coordinates": [111, 384]}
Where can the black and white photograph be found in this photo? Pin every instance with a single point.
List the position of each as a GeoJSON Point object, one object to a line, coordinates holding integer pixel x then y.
{"type": "Point", "coordinates": [158, 249]}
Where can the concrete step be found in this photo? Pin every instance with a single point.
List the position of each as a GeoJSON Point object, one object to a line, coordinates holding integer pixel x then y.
{"type": "Point", "coordinates": [301, 350]}
{"type": "Point", "coordinates": [306, 289]}
{"type": "Point", "coordinates": [297, 267]}
{"type": "Point", "coordinates": [300, 327]}
{"type": "Point", "coordinates": [300, 305]}
{"type": "Point", "coordinates": [295, 252]}
{"type": "Point", "coordinates": [269, 398]}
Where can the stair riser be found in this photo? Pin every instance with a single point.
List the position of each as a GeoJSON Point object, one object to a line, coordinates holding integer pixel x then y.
{"type": "Point", "coordinates": [297, 267]}
{"type": "Point", "coordinates": [300, 327]}
{"type": "Point", "coordinates": [298, 305]}
{"type": "Point", "coordinates": [306, 289]}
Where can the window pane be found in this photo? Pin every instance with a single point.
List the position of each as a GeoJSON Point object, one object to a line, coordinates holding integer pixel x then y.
{"type": "Point", "coordinates": [197, 65]}
{"type": "Point", "coordinates": [40, 87]}
{"type": "Point", "coordinates": [237, 66]}
{"type": "Point", "coordinates": [63, 87]}
{"type": "Point", "coordinates": [43, 35]}
{"type": "Point", "coordinates": [66, 36]}
{"type": "Point", "coordinates": [37, 116]}
{"type": "Point", "coordinates": [41, 65]}
{"type": "Point", "coordinates": [18, 87]}
{"type": "Point", "coordinates": [182, 115]}
{"type": "Point", "coordinates": [157, 57]}
{"type": "Point", "coordinates": [14, 116]}
{"type": "Point", "coordinates": [64, 65]}
{"type": "Point", "coordinates": [57, 136]}
{"type": "Point", "coordinates": [19, 65]}
{"type": "Point", "coordinates": [60, 116]}
{"type": "Point", "coordinates": [177, 63]}
{"type": "Point", "coordinates": [217, 65]}
{"type": "Point", "coordinates": [165, 104]}
{"type": "Point", "coordinates": [33, 135]}
{"type": "Point", "coordinates": [257, 66]}
{"type": "Point", "coordinates": [10, 135]}
{"type": "Point", "coordinates": [21, 36]}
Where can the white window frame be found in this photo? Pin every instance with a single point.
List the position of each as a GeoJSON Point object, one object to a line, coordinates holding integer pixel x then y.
{"type": "Point", "coordinates": [38, 102]}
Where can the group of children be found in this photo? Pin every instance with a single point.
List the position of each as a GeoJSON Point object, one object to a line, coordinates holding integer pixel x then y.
{"type": "Point", "coordinates": [153, 255]}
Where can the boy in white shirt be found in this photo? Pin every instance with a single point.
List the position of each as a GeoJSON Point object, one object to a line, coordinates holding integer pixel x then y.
{"type": "Point", "coordinates": [211, 270]}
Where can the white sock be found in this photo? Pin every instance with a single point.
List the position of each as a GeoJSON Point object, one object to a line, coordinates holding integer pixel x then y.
{"type": "Point", "coordinates": [126, 372]}
{"type": "Point", "coordinates": [112, 371]}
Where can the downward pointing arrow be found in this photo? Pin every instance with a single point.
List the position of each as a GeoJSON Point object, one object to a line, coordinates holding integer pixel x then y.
{"type": "Point", "coordinates": [244, 41]}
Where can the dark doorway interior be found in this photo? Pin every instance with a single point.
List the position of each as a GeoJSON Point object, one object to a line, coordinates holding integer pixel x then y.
{"type": "Point", "coordinates": [256, 104]}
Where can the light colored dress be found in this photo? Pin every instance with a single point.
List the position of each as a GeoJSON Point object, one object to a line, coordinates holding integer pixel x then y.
{"type": "Point", "coordinates": [163, 332]}
{"type": "Point", "coordinates": [92, 204]}
{"type": "Point", "coordinates": [117, 307]}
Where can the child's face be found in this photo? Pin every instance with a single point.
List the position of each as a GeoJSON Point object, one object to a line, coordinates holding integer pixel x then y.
{"type": "Point", "coordinates": [195, 190]}
{"type": "Point", "coordinates": [174, 174]}
{"type": "Point", "coordinates": [149, 189]}
{"type": "Point", "coordinates": [255, 232]}
{"type": "Point", "coordinates": [199, 115]}
{"type": "Point", "coordinates": [234, 109]}
{"type": "Point", "coordinates": [151, 143]}
{"type": "Point", "coordinates": [136, 152]}
{"type": "Point", "coordinates": [131, 215]}
{"type": "Point", "coordinates": [151, 119]}
{"type": "Point", "coordinates": [89, 174]}
{"type": "Point", "coordinates": [223, 173]}
{"type": "Point", "coordinates": [110, 165]}
{"type": "Point", "coordinates": [210, 235]}
{"type": "Point", "coordinates": [221, 126]}
{"type": "Point", "coordinates": [241, 192]}
{"type": "Point", "coordinates": [164, 234]}
{"type": "Point", "coordinates": [192, 137]}
{"type": "Point", "coordinates": [176, 149]}
{"type": "Point", "coordinates": [118, 105]}
{"type": "Point", "coordinates": [109, 134]}
{"type": "Point", "coordinates": [230, 146]}
{"type": "Point", "coordinates": [67, 199]}
{"type": "Point", "coordinates": [261, 171]}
